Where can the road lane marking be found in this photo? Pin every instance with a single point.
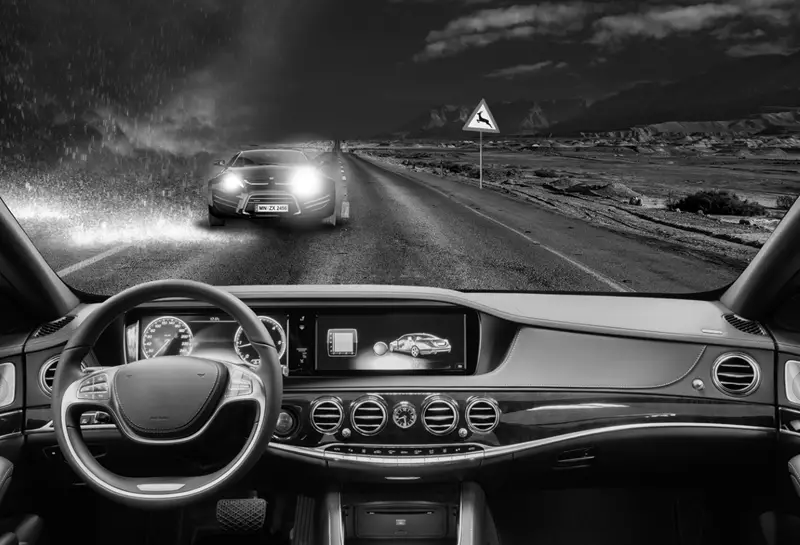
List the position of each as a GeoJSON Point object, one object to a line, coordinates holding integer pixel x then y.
{"type": "Point", "coordinates": [91, 261]}
{"type": "Point", "coordinates": [591, 272]}
{"type": "Point", "coordinates": [344, 177]}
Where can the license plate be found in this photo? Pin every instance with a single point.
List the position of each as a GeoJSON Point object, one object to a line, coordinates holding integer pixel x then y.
{"type": "Point", "coordinates": [272, 208]}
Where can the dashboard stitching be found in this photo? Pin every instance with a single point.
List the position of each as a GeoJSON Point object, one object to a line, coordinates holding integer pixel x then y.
{"type": "Point", "coordinates": [686, 374]}
{"type": "Point", "coordinates": [157, 431]}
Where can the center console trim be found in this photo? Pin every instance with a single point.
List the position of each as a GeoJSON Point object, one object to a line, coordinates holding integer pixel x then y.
{"type": "Point", "coordinates": [489, 452]}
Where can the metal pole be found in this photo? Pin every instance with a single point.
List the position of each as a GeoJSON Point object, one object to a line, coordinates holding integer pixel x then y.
{"type": "Point", "coordinates": [480, 169]}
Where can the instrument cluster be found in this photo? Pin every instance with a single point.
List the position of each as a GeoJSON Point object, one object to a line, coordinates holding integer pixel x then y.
{"type": "Point", "coordinates": [203, 336]}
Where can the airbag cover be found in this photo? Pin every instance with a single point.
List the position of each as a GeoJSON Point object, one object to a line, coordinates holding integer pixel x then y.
{"type": "Point", "coordinates": [169, 397]}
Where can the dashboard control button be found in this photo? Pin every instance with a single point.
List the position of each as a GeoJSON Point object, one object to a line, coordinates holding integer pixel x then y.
{"type": "Point", "coordinates": [337, 448]}
{"type": "Point", "coordinates": [286, 424]}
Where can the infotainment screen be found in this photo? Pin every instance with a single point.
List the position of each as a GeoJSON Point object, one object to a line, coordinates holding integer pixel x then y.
{"type": "Point", "coordinates": [397, 342]}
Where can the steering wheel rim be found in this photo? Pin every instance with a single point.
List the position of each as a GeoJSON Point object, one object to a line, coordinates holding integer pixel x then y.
{"type": "Point", "coordinates": [144, 388]}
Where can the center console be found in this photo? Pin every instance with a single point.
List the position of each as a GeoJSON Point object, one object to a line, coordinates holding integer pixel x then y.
{"type": "Point", "coordinates": [420, 515]}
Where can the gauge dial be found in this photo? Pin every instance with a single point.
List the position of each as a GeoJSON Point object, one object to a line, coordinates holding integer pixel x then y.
{"type": "Point", "coordinates": [404, 415]}
{"type": "Point", "coordinates": [246, 351]}
{"type": "Point", "coordinates": [166, 336]}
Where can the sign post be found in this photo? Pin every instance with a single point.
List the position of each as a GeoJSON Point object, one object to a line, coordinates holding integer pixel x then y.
{"type": "Point", "coordinates": [481, 121]}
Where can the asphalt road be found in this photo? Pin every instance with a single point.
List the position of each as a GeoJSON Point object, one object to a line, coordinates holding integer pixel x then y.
{"type": "Point", "coordinates": [403, 229]}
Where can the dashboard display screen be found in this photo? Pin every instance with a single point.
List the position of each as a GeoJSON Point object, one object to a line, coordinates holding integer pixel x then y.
{"type": "Point", "coordinates": [433, 342]}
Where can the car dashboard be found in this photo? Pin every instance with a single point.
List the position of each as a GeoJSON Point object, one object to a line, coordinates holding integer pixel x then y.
{"type": "Point", "coordinates": [411, 383]}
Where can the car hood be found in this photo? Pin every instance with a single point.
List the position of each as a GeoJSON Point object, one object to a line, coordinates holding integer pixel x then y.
{"type": "Point", "coordinates": [266, 173]}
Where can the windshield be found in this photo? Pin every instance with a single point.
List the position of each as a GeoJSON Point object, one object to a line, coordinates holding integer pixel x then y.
{"type": "Point", "coordinates": [269, 157]}
{"type": "Point", "coordinates": [473, 145]}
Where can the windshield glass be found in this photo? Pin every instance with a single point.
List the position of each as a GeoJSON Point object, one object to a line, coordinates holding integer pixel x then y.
{"type": "Point", "coordinates": [269, 157]}
{"type": "Point", "coordinates": [472, 145]}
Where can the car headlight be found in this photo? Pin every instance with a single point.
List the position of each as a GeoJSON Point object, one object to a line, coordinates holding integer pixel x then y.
{"type": "Point", "coordinates": [231, 183]}
{"type": "Point", "coordinates": [306, 181]}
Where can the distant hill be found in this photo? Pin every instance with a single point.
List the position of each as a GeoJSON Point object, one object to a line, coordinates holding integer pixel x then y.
{"type": "Point", "coordinates": [513, 117]}
{"type": "Point", "coordinates": [737, 93]}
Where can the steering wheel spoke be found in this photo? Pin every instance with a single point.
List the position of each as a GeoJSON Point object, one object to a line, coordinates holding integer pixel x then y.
{"type": "Point", "coordinates": [93, 390]}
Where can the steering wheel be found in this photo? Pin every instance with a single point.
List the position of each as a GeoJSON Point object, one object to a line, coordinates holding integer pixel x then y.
{"type": "Point", "coordinates": [164, 400]}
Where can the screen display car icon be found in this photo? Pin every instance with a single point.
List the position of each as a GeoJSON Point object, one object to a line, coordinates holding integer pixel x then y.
{"type": "Point", "coordinates": [420, 344]}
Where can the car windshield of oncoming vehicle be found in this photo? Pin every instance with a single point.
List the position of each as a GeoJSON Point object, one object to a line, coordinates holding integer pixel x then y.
{"type": "Point", "coordinates": [570, 146]}
{"type": "Point", "coordinates": [270, 157]}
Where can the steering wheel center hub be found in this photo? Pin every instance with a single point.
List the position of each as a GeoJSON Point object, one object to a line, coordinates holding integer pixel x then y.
{"type": "Point", "coordinates": [170, 397]}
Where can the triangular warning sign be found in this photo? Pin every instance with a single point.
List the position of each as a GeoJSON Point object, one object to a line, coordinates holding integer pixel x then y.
{"type": "Point", "coordinates": [481, 120]}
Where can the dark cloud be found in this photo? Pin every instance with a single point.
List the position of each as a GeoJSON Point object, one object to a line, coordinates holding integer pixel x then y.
{"type": "Point", "coordinates": [182, 74]}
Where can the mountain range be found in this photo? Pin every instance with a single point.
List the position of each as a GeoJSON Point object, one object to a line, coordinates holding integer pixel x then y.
{"type": "Point", "coordinates": [741, 96]}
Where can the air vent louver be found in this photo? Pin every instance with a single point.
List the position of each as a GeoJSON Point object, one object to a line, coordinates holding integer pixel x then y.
{"type": "Point", "coordinates": [736, 374]}
{"type": "Point", "coordinates": [51, 327]}
{"type": "Point", "coordinates": [368, 415]}
{"type": "Point", "coordinates": [745, 326]}
{"type": "Point", "coordinates": [47, 374]}
{"type": "Point", "coordinates": [327, 415]}
{"type": "Point", "coordinates": [440, 415]}
{"type": "Point", "coordinates": [482, 415]}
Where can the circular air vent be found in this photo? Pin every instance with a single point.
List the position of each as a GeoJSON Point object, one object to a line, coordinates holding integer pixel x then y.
{"type": "Point", "coordinates": [368, 415]}
{"type": "Point", "coordinates": [483, 415]}
{"type": "Point", "coordinates": [327, 415]}
{"type": "Point", "coordinates": [47, 374]}
{"type": "Point", "coordinates": [736, 374]}
{"type": "Point", "coordinates": [439, 415]}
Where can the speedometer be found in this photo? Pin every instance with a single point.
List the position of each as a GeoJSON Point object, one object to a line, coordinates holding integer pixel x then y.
{"type": "Point", "coordinates": [247, 353]}
{"type": "Point", "coordinates": [166, 336]}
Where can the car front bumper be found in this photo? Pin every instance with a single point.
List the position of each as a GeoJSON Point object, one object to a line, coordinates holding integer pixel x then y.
{"type": "Point", "coordinates": [245, 204]}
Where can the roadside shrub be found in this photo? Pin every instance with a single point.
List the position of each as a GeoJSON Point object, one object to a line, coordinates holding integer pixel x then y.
{"type": "Point", "coordinates": [545, 173]}
{"type": "Point", "coordinates": [717, 202]}
{"type": "Point", "coordinates": [785, 202]}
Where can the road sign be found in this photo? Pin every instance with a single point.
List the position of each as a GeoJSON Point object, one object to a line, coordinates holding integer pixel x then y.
{"type": "Point", "coordinates": [481, 120]}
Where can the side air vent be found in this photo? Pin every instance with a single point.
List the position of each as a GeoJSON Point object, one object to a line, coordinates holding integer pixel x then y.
{"type": "Point", "coordinates": [439, 415]}
{"type": "Point", "coordinates": [368, 415]}
{"type": "Point", "coordinates": [51, 327]}
{"type": "Point", "coordinates": [736, 374]}
{"type": "Point", "coordinates": [47, 374]}
{"type": "Point", "coordinates": [483, 415]}
{"type": "Point", "coordinates": [745, 326]}
{"type": "Point", "coordinates": [327, 415]}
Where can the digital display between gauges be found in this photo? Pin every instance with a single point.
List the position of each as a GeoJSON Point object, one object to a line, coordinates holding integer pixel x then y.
{"type": "Point", "coordinates": [166, 336]}
{"type": "Point", "coordinates": [247, 353]}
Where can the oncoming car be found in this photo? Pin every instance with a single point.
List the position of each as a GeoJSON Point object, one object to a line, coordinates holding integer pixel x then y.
{"type": "Point", "coordinates": [270, 183]}
{"type": "Point", "coordinates": [420, 344]}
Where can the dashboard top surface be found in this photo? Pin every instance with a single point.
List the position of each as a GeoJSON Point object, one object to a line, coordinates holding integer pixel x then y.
{"type": "Point", "coordinates": [628, 316]}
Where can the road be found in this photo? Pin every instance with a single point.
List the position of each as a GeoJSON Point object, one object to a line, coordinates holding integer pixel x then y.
{"type": "Point", "coordinates": [404, 229]}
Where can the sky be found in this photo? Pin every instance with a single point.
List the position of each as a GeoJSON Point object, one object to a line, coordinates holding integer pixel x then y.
{"type": "Point", "coordinates": [175, 71]}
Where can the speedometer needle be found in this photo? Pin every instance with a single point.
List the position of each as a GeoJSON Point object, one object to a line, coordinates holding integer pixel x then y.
{"type": "Point", "coordinates": [164, 347]}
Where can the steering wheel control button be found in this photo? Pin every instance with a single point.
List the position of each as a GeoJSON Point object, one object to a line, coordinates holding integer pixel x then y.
{"type": "Point", "coordinates": [94, 387]}
{"type": "Point", "coordinates": [239, 385]}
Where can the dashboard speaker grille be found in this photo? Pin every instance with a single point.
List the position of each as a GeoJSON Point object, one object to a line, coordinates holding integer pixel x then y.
{"type": "Point", "coordinates": [736, 374]}
{"type": "Point", "coordinates": [327, 415]}
{"type": "Point", "coordinates": [483, 415]}
{"type": "Point", "coordinates": [368, 415]}
{"type": "Point", "coordinates": [440, 415]}
{"type": "Point", "coordinates": [746, 326]}
{"type": "Point", "coordinates": [51, 327]}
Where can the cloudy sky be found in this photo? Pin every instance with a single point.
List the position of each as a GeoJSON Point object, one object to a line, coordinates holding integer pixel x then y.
{"type": "Point", "coordinates": [261, 69]}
